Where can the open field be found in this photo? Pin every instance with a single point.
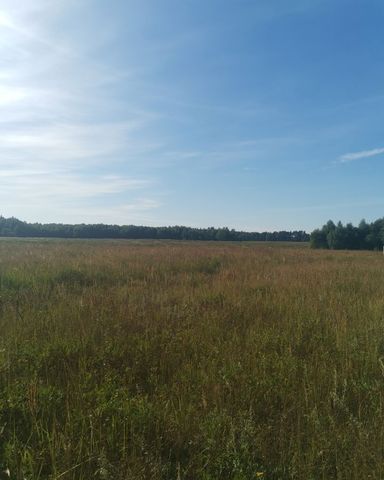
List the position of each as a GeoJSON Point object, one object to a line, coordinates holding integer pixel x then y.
{"type": "Point", "coordinates": [160, 360]}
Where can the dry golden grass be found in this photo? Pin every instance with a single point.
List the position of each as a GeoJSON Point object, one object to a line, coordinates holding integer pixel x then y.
{"type": "Point", "coordinates": [161, 360]}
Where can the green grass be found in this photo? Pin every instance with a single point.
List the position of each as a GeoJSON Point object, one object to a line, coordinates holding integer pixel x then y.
{"type": "Point", "coordinates": [165, 360]}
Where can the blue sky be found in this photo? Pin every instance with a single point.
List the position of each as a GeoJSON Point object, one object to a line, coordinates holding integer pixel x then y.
{"type": "Point", "coordinates": [256, 115]}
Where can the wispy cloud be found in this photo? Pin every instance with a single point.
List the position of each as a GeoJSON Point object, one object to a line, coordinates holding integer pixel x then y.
{"type": "Point", "coordinates": [70, 197]}
{"type": "Point", "coordinates": [66, 142]}
{"type": "Point", "coordinates": [349, 157]}
{"type": "Point", "coordinates": [59, 186]}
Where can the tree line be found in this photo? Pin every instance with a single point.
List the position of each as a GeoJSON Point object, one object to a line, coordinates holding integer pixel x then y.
{"type": "Point", "coordinates": [12, 227]}
{"type": "Point", "coordinates": [367, 236]}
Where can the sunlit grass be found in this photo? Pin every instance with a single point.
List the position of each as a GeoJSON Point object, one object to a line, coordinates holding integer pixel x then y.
{"type": "Point", "coordinates": [166, 360]}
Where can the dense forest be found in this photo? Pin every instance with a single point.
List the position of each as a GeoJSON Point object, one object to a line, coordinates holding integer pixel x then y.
{"type": "Point", "coordinates": [12, 227]}
{"type": "Point", "coordinates": [367, 236]}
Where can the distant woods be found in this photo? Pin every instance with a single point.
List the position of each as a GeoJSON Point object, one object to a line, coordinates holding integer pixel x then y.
{"type": "Point", "coordinates": [12, 227]}
{"type": "Point", "coordinates": [367, 236]}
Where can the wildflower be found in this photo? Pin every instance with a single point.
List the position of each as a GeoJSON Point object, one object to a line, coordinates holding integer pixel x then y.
{"type": "Point", "coordinates": [259, 474]}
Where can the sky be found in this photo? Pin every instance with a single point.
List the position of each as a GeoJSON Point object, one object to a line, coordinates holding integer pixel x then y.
{"type": "Point", "coordinates": [252, 114]}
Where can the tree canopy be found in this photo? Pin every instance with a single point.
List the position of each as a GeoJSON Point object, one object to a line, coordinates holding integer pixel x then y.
{"type": "Point", "coordinates": [366, 236]}
{"type": "Point", "coordinates": [12, 227]}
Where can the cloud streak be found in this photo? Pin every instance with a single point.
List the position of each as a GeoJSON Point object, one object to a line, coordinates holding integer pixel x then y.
{"type": "Point", "coordinates": [67, 197]}
{"type": "Point", "coordinates": [66, 141]}
{"type": "Point", "coordinates": [350, 157]}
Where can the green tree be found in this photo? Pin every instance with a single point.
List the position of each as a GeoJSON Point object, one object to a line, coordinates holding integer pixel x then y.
{"type": "Point", "coordinates": [318, 239]}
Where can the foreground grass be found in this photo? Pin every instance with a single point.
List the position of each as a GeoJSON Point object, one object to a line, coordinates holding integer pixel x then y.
{"type": "Point", "coordinates": [129, 360]}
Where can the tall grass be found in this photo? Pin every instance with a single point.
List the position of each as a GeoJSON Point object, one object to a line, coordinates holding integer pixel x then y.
{"type": "Point", "coordinates": [150, 360]}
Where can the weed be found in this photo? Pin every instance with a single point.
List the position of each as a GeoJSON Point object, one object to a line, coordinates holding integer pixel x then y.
{"type": "Point", "coordinates": [166, 360]}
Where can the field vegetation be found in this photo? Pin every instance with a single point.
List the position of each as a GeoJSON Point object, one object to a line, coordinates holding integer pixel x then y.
{"type": "Point", "coordinates": [165, 360]}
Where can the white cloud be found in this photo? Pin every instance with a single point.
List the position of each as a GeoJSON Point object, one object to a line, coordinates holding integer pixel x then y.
{"type": "Point", "coordinates": [66, 142]}
{"type": "Point", "coordinates": [349, 157]}
{"type": "Point", "coordinates": [58, 187]}
{"type": "Point", "coordinates": [50, 96]}
{"type": "Point", "coordinates": [9, 95]}
{"type": "Point", "coordinates": [57, 196]}
{"type": "Point", "coordinates": [5, 20]}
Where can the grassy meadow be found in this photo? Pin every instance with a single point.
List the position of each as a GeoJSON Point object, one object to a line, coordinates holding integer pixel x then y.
{"type": "Point", "coordinates": [162, 360]}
